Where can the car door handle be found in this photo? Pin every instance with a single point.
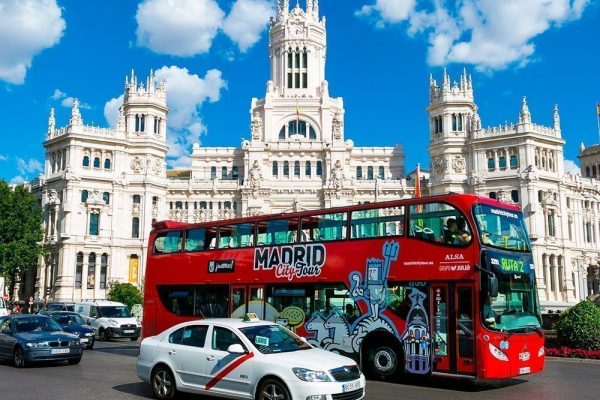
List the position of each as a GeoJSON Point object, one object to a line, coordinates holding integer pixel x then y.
{"type": "Point", "coordinates": [172, 352]}
{"type": "Point", "coordinates": [210, 358]}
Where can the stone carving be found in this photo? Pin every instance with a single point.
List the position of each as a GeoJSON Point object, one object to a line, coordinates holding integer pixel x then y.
{"type": "Point", "coordinates": [135, 209]}
{"type": "Point", "coordinates": [337, 175]}
{"type": "Point", "coordinates": [504, 196]}
{"type": "Point", "coordinates": [256, 126]}
{"type": "Point", "coordinates": [475, 122]}
{"type": "Point", "coordinates": [53, 197]}
{"type": "Point", "coordinates": [439, 164]}
{"type": "Point", "coordinates": [549, 198]}
{"type": "Point", "coordinates": [336, 126]}
{"type": "Point", "coordinates": [459, 164]}
{"type": "Point", "coordinates": [158, 166]}
{"type": "Point", "coordinates": [137, 165]}
{"type": "Point", "coordinates": [255, 176]}
{"type": "Point", "coordinates": [530, 173]}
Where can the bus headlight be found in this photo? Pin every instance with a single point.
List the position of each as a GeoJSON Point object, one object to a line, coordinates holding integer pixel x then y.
{"type": "Point", "coordinates": [497, 353]}
{"type": "Point", "coordinates": [542, 351]}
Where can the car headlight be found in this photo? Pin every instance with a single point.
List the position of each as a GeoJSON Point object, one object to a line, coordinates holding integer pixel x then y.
{"type": "Point", "coordinates": [113, 322]}
{"type": "Point", "coordinates": [89, 334]}
{"type": "Point", "coordinates": [309, 375]}
{"type": "Point", "coordinates": [37, 345]}
{"type": "Point", "coordinates": [75, 342]}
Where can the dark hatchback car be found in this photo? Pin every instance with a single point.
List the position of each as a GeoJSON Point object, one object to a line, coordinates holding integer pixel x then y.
{"type": "Point", "coordinates": [28, 338]}
{"type": "Point", "coordinates": [73, 323]}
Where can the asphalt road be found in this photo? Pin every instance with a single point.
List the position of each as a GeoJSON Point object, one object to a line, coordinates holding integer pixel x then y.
{"type": "Point", "coordinates": [108, 372]}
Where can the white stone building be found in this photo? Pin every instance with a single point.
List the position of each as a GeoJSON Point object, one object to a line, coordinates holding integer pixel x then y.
{"type": "Point", "coordinates": [102, 188]}
{"type": "Point", "coordinates": [522, 163]}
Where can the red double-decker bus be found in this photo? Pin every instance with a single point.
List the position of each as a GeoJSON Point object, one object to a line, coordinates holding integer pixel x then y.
{"type": "Point", "coordinates": [432, 285]}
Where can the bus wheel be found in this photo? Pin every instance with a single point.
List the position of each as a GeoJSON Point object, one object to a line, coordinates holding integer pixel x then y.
{"type": "Point", "coordinates": [384, 362]}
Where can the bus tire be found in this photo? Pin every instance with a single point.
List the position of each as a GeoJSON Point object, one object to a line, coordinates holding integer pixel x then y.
{"type": "Point", "coordinates": [384, 362]}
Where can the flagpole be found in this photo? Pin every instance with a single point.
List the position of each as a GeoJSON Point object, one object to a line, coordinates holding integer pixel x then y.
{"type": "Point", "coordinates": [598, 119]}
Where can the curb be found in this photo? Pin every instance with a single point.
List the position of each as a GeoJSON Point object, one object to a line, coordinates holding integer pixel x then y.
{"type": "Point", "coordinates": [574, 360]}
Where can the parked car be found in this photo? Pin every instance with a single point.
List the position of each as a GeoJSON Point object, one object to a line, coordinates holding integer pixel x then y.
{"type": "Point", "coordinates": [246, 360]}
{"type": "Point", "coordinates": [60, 307]}
{"type": "Point", "coordinates": [109, 319]}
{"type": "Point", "coordinates": [28, 338]}
{"type": "Point", "coordinates": [73, 323]}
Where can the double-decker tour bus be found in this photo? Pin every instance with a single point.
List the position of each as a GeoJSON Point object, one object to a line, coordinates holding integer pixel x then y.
{"type": "Point", "coordinates": [431, 285]}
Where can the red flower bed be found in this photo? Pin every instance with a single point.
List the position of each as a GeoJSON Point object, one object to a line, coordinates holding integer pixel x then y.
{"type": "Point", "coordinates": [564, 351]}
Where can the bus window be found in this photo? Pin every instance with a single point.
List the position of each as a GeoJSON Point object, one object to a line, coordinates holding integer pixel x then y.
{"type": "Point", "coordinates": [397, 298]}
{"type": "Point", "coordinates": [438, 222]}
{"type": "Point", "coordinates": [377, 222]}
{"type": "Point", "coordinates": [291, 303]}
{"type": "Point", "coordinates": [199, 239]}
{"type": "Point", "coordinates": [168, 242]}
{"type": "Point", "coordinates": [239, 235]}
{"type": "Point", "coordinates": [324, 227]}
{"type": "Point", "coordinates": [277, 231]}
{"type": "Point", "coordinates": [207, 301]}
{"type": "Point", "coordinates": [335, 299]}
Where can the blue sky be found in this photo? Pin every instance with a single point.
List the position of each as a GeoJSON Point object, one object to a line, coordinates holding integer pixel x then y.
{"type": "Point", "coordinates": [214, 56]}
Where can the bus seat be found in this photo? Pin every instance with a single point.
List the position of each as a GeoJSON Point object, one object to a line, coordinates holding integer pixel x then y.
{"type": "Point", "coordinates": [213, 243]}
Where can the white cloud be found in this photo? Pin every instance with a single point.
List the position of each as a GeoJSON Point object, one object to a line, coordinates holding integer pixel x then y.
{"type": "Point", "coordinates": [68, 103]}
{"type": "Point", "coordinates": [489, 34]}
{"type": "Point", "coordinates": [30, 166]}
{"type": "Point", "coordinates": [178, 27]}
{"type": "Point", "coordinates": [111, 110]}
{"type": "Point", "coordinates": [58, 94]}
{"type": "Point", "coordinates": [572, 168]}
{"type": "Point", "coordinates": [3, 157]}
{"type": "Point", "coordinates": [246, 21]}
{"type": "Point", "coordinates": [26, 28]}
{"type": "Point", "coordinates": [17, 180]}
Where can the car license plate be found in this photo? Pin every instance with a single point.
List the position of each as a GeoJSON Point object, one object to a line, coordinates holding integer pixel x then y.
{"type": "Point", "coordinates": [128, 331]}
{"type": "Point", "coordinates": [84, 340]}
{"type": "Point", "coordinates": [524, 370]}
{"type": "Point", "coordinates": [59, 351]}
{"type": "Point", "coordinates": [348, 387]}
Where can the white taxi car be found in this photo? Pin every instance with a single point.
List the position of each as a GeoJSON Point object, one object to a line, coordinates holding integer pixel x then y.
{"type": "Point", "coordinates": [246, 359]}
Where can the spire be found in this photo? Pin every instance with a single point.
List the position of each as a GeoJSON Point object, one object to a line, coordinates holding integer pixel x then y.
{"type": "Point", "coordinates": [556, 118]}
{"type": "Point", "coordinates": [309, 8]}
{"type": "Point", "coordinates": [524, 115]}
{"type": "Point", "coordinates": [463, 81]}
{"type": "Point", "coordinates": [75, 114]}
{"type": "Point", "coordinates": [316, 9]}
{"type": "Point", "coordinates": [446, 81]}
{"type": "Point", "coordinates": [581, 147]}
{"type": "Point", "coordinates": [151, 84]}
{"type": "Point", "coordinates": [51, 121]}
{"type": "Point", "coordinates": [121, 120]}
{"type": "Point", "coordinates": [431, 81]}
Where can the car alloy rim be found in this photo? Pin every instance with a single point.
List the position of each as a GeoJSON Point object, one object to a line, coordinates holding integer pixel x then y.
{"type": "Point", "coordinates": [162, 383]}
{"type": "Point", "coordinates": [18, 357]}
{"type": "Point", "coordinates": [273, 392]}
{"type": "Point", "coordinates": [385, 361]}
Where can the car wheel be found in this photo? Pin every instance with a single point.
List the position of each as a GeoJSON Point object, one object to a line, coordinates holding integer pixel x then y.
{"type": "Point", "coordinates": [163, 383]}
{"type": "Point", "coordinates": [384, 362]}
{"type": "Point", "coordinates": [90, 347]}
{"type": "Point", "coordinates": [104, 336]}
{"type": "Point", "coordinates": [19, 358]}
{"type": "Point", "coordinates": [273, 389]}
{"type": "Point", "coordinates": [74, 361]}
{"type": "Point", "coordinates": [133, 339]}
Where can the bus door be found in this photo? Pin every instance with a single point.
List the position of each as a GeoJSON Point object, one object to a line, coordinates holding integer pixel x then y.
{"type": "Point", "coordinates": [452, 311]}
{"type": "Point", "coordinates": [247, 298]}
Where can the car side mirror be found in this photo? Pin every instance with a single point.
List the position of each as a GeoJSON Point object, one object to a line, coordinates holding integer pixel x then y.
{"type": "Point", "coordinates": [492, 285]}
{"type": "Point", "coordinates": [236, 349]}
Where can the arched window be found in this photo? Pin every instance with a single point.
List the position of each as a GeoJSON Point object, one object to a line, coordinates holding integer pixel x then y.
{"type": "Point", "coordinates": [307, 168]}
{"type": "Point", "coordinates": [551, 164]}
{"type": "Point", "coordinates": [381, 173]}
{"type": "Point", "coordinates": [514, 161]}
{"type": "Point", "coordinates": [94, 224]}
{"type": "Point", "coordinates": [459, 120]}
{"type": "Point", "coordinates": [594, 171]}
{"type": "Point", "coordinates": [370, 172]}
{"type": "Point", "coordinates": [297, 168]}
{"type": "Point", "coordinates": [491, 164]}
{"type": "Point", "coordinates": [514, 195]}
{"type": "Point", "coordinates": [78, 270]}
{"type": "Point", "coordinates": [312, 135]}
{"type": "Point", "coordinates": [282, 133]}
{"type": "Point", "coordinates": [203, 205]}
{"type": "Point", "coordinates": [179, 205]}
{"type": "Point", "coordinates": [223, 172]}
{"type": "Point", "coordinates": [286, 168]}
{"type": "Point", "coordinates": [299, 128]}
{"type": "Point", "coordinates": [96, 162]}
{"type": "Point", "coordinates": [319, 168]}
{"type": "Point", "coordinates": [275, 169]}
{"type": "Point", "coordinates": [103, 270]}
{"type": "Point", "coordinates": [143, 123]}
{"type": "Point", "coordinates": [137, 199]}
{"type": "Point", "coordinates": [587, 172]}
{"type": "Point", "coordinates": [107, 163]}
{"type": "Point", "coordinates": [213, 172]}
{"type": "Point", "coordinates": [502, 163]}
{"type": "Point", "coordinates": [86, 161]}
{"type": "Point", "coordinates": [492, 195]}
{"type": "Point", "coordinates": [359, 172]}
{"type": "Point", "coordinates": [454, 125]}
{"type": "Point", "coordinates": [106, 197]}
{"type": "Point", "coordinates": [135, 228]}
{"type": "Point", "coordinates": [234, 172]}
{"type": "Point", "coordinates": [84, 196]}
{"type": "Point", "coordinates": [537, 161]}
{"type": "Point", "coordinates": [91, 277]}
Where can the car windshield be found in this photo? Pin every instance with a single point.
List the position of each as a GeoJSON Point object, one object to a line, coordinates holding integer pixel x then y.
{"type": "Point", "coordinates": [114, 312]}
{"type": "Point", "coordinates": [270, 339]}
{"type": "Point", "coordinates": [36, 324]}
{"type": "Point", "coordinates": [68, 319]}
{"type": "Point", "coordinates": [500, 228]}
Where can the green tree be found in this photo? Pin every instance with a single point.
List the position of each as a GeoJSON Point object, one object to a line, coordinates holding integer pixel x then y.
{"type": "Point", "coordinates": [579, 326]}
{"type": "Point", "coordinates": [125, 293]}
{"type": "Point", "coordinates": [20, 235]}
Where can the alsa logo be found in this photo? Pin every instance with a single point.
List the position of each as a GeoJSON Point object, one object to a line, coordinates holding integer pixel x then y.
{"type": "Point", "coordinates": [291, 261]}
{"type": "Point", "coordinates": [454, 257]}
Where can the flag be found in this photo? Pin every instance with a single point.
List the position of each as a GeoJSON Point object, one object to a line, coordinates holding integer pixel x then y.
{"type": "Point", "coordinates": [297, 114]}
{"type": "Point", "coordinates": [598, 109]}
{"type": "Point", "coordinates": [418, 181]}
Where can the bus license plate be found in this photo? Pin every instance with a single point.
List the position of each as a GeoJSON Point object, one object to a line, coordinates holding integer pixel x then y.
{"type": "Point", "coordinates": [59, 351]}
{"type": "Point", "coordinates": [524, 370]}
{"type": "Point", "coordinates": [128, 331]}
{"type": "Point", "coordinates": [348, 387]}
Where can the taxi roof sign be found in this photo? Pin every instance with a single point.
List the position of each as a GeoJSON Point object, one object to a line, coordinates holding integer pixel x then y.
{"type": "Point", "coordinates": [251, 317]}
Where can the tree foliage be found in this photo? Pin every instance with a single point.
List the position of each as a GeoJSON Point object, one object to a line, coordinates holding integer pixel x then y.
{"type": "Point", "coordinates": [125, 293]}
{"type": "Point", "coordinates": [21, 232]}
{"type": "Point", "coordinates": [579, 326]}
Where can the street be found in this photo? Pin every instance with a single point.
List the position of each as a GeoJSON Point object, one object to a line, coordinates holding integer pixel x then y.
{"type": "Point", "coordinates": [108, 372]}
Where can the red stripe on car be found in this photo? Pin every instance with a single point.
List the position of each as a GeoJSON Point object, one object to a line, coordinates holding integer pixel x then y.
{"type": "Point", "coordinates": [236, 363]}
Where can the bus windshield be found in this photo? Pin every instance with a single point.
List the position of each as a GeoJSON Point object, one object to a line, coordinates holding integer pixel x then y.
{"type": "Point", "coordinates": [516, 308]}
{"type": "Point", "coordinates": [500, 228]}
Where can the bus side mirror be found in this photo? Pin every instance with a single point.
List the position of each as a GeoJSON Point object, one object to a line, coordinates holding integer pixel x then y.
{"type": "Point", "coordinates": [492, 284]}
